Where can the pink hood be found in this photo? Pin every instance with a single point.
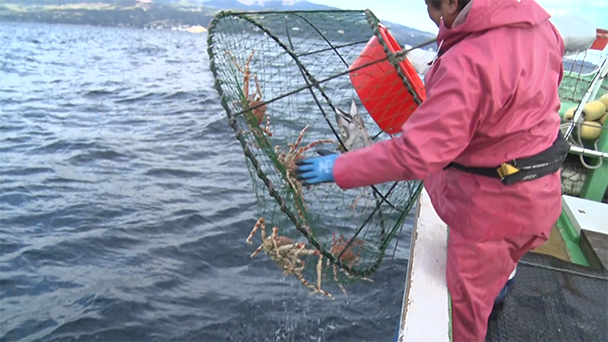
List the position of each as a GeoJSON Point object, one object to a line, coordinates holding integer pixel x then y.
{"type": "Point", "coordinates": [485, 15]}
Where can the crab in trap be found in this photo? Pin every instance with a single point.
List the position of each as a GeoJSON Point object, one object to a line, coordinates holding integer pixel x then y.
{"type": "Point", "coordinates": [254, 100]}
{"type": "Point", "coordinates": [287, 160]}
{"type": "Point", "coordinates": [286, 253]}
{"type": "Point", "coordinates": [348, 251]}
{"type": "Point", "coordinates": [294, 153]}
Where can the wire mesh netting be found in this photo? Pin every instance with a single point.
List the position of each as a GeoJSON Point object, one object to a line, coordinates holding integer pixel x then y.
{"type": "Point", "coordinates": [582, 74]}
{"type": "Point", "coordinates": [284, 82]}
{"type": "Point", "coordinates": [579, 71]}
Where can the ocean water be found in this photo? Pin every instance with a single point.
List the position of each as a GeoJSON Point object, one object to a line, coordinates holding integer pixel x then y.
{"type": "Point", "coordinates": [125, 202]}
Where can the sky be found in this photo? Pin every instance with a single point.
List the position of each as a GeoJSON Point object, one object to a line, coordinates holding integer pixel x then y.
{"type": "Point", "coordinates": [412, 13]}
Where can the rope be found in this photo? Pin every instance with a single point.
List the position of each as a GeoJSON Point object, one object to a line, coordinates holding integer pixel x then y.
{"type": "Point", "coordinates": [576, 140]}
{"type": "Point", "coordinates": [562, 270]}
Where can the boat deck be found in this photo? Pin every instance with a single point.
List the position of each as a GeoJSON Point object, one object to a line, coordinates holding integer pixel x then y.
{"type": "Point", "coordinates": [553, 300]}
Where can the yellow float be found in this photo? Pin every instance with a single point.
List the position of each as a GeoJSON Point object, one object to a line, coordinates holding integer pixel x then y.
{"type": "Point", "coordinates": [604, 99]}
{"type": "Point", "coordinates": [594, 110]}
{"type": "Point", "coordinates": [569, 114]}
{"type": "Point", "coordinates": [591, 130]}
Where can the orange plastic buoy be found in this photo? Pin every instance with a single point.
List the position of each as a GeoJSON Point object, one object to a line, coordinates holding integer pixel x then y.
{"type": "Point", "coordinates": [379, 87]}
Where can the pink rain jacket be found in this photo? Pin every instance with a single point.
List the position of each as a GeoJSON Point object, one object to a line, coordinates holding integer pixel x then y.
{"type": "Point", "coordinates": [491, 97]}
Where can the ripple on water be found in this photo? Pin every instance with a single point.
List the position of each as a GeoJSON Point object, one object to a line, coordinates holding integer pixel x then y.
{"type": "Point", "coordinates": [125, 202]}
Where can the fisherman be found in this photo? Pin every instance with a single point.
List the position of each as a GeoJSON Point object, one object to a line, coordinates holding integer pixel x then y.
{"type": "Point", "coordinates": [485, 142]}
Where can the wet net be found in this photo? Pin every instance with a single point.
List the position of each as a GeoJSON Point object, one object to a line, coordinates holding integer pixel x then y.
{"type": "Point", "coordinates": [283, 77]}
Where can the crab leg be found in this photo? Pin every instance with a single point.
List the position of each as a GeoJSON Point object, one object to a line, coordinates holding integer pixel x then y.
{"type": "Point", "coordinates": [319, 272]}
{"type": "Point", "coordinates": [304, 282]}
{"type": "Point", "coordinates": [260, 248]}
{"type": "Point", "coordinates": [257, 84]}
{"type": "Point", "coordinates": [275, 239]}
{"type": "Point", "coordinates": [302, 216]}
{"type": "Point", "coordinates": [293, 146]}
{"type": "Point", "coordinates": [247, 75]}
{"type": "Point", "coordinates": [313, 144]}
{"type": "Point", "coordinates": [267, 128]}
{"type": "Point", "coordinates": [291, 182]}
{"type": "Point", "coordinates": [261, 223]}
{"type": "Point", "coordinates": [337, 281]}
{"type": "Point", "coordinates": [295, 261]}
{"type": "Point", "coordinates": [245, 71]}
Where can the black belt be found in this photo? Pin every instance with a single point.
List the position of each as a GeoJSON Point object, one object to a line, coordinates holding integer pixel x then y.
{"type": "Point", "coordinates": [524, 169]}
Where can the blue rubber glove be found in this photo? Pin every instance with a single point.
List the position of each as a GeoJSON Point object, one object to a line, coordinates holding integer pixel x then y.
{"type": "Point", "coordinates": [316, 170]}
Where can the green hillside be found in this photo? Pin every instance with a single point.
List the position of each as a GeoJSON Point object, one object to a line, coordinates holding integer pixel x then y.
{"type": "Point", "coordinates": [156, 13]}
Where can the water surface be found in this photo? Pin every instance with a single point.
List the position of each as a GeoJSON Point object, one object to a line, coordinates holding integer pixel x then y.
{"type": "Point", "coordinates": [125, 202]}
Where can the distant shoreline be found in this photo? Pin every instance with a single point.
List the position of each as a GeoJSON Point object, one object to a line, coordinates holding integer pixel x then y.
{"type": "Point", "coordinates": [157, 17]}
{"type": "Point", "coordinates": [149, 16]}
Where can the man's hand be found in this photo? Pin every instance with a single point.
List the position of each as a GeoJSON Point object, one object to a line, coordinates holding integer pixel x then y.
{"type": "Point", "coordinates": [316, 170]}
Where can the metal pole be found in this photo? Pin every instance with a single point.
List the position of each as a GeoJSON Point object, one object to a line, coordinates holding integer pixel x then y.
{"type": "Point", "coordinates": [588, 152]}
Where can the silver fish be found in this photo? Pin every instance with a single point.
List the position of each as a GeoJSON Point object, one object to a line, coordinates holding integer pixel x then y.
{"type": "Point", "coordinates": [353, 133]}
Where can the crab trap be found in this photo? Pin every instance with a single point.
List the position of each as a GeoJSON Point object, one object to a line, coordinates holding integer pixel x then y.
{"type": "Point", "coordinates": [295, 82]}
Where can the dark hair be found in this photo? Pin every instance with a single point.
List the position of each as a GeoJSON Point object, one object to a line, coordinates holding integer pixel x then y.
{"type": "Point", "coordinates": [437, 4]}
